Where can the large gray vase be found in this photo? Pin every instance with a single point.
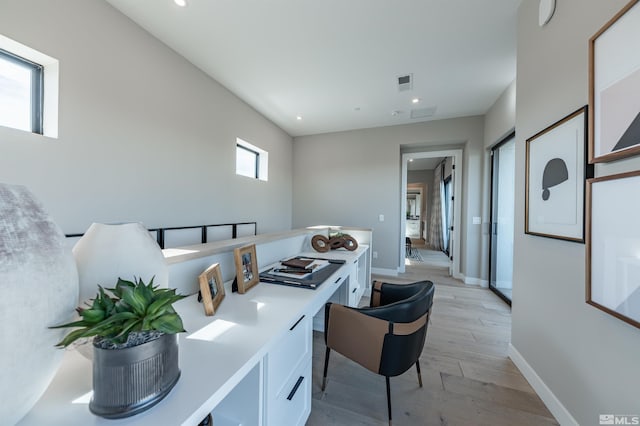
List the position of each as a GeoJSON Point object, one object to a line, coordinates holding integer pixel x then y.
{"type": "Point", "coordinates": [38, 289]}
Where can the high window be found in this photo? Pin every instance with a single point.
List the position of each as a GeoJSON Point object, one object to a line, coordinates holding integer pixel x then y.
{"type": "Point", "coordinates": [251, 161]}
{"type": "Point", "coordinates": [21, 93]}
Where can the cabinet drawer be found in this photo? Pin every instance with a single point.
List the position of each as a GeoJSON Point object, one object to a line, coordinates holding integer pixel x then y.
{"type": "Point", "coordinates": [292, 405]}
{"type": "Point", "coordinates": [288, 354]}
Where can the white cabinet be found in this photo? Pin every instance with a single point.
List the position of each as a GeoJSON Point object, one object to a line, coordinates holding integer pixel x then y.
{"type": "Point", "coordinates": [413, 228]}
{"type": "Point", "coordinates": [288, 378]}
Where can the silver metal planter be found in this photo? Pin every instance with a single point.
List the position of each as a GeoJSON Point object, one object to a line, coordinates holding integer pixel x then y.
{"type": "Point", "coordinates": [131, 380]}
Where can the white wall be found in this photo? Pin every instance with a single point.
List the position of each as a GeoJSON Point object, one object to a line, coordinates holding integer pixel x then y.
{"type": "Point", "coordinates": [587, 358]}
{"type": "Point", "coordinates": [143, 134]}
{"type": "Point", "coordinates": [350, 178]}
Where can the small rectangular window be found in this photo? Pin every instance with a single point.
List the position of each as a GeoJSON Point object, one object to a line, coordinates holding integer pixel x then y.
{"type": "Point", "coordinates": [21, 93]}
{"type": "Point", "coordinates": [247, 162]}
{"type": "Point", "coordinates": [251, 161]}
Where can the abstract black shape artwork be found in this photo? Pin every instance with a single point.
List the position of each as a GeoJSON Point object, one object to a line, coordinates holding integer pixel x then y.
{"type": "Point", "coordinates": [631, 136]}
{"type": "Point", "coordinates": [555, 172]}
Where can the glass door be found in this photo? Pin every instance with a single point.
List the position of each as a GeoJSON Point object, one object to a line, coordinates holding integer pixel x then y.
{"type": "Point", "coordinates": [502, 217]}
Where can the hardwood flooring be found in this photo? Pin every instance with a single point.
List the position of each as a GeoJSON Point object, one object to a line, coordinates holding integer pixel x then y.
{"type": "Point", "coordinates": [468, 378]}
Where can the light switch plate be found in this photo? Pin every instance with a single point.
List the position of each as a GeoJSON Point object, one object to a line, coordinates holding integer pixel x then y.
{"type": "Point", "coordinates": [477, 220]}
{"type": "Point", "coordinates": [381, 218]}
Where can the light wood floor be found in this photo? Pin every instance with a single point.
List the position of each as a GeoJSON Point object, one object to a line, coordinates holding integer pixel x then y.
{"type": "Point", "coordinates": [468, 378]}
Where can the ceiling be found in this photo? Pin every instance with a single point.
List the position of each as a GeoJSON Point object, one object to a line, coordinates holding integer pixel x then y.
{"type": "Point", "coordinates": [424, 163]}
{"type": "Point", "coordinates": [335, 62]}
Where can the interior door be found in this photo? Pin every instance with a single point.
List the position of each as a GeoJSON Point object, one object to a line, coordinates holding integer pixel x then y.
{"type": "Point", "coordinates": [449, 214]}
{"type": "Point", "coordinates": [502, 218]}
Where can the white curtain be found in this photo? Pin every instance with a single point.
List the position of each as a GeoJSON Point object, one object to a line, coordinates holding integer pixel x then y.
{"type": "Point", "coordinates": [436, 224]}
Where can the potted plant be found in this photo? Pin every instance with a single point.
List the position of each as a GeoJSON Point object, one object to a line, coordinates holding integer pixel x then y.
{"type": "Point", "coordinates": [135, 347]}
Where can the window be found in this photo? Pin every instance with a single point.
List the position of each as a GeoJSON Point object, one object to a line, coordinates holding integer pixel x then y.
{"type": "Point", "coordinates": [251, 161]}
{"type": "Point", "coordinates": [21, 93]}
{"type": "Point", "coordinates": [28, 89]}
{"type": "Point", "coordinates": [247, 162]}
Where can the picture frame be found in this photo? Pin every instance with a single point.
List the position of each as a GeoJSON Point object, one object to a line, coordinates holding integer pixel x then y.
{"type": "Point", "coordinates": [556, 171]}
{"type": "Point", "coordinates": [614, 82]}
{"type": "Point", "coordinates": [247, 275]}
{"type": "Point", "coordinates": [613, 245]}
{"type": "Point", "coordinates": [211, 288]}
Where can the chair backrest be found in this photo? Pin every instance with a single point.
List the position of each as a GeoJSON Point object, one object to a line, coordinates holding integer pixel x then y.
{"type": "Point", "coordinates": [408, 320]}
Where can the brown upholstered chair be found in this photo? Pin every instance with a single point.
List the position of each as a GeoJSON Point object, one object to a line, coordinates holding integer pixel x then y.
{"type": "Point", "coordinates": [386, 338]}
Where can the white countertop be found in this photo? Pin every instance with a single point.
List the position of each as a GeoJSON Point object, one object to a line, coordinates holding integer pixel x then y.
{"type": "Point", "coordinates": [215, 354]}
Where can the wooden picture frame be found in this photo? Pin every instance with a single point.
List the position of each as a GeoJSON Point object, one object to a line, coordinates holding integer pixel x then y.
{"type": "Point", "coordinates": [211, 288]}
{"type": "Point", "coordinates": [613, 245]}
{"type": "Point", "coordinates": [614, 84]}
{"type": "Point", "coordinates": [556, 169]}
{"type": "Point", "coordinates": [247, 274]}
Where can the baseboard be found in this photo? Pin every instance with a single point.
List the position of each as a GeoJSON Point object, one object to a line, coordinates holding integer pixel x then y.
{"type": "Point", "coordinates": [554, 405]}
{"type": "Point", "coordinates": [476, 281]}
{"type": "Point", "coordinates": [385, 271]}
{"type": "Point", "coordinates": [472, 280]}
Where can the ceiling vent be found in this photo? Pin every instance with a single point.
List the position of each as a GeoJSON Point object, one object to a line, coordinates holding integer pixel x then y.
{"type": "Point", "coordinates": [423, 112]}
{"type": "Point", "coordinates": [405, 82]}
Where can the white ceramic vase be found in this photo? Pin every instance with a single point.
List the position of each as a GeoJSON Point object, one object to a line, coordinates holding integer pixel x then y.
{"type": "Point", "coordinates": [38, 289]}
{"type": "Point", "coordinates": [107, 252]}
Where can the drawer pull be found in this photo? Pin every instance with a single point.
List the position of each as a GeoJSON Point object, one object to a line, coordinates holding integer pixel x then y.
{"type": "Point", "coordinates": [354, 290]}
{"type": "Point", "coordinates": [295, 388]}
{"type": "Point", "coordinates": [336, 281]}
{"type": "Point", "coordinates": [296, 324]}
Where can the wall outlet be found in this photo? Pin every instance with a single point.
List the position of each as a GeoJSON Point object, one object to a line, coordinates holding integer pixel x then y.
{"type": "Point", "coordinates": [375, 254]}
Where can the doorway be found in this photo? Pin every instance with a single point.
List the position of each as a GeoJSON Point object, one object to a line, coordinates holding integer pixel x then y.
{"type": "Point", "coordinates": [453, 223]}
{"type": "Point", "coordinates": [502, 218]}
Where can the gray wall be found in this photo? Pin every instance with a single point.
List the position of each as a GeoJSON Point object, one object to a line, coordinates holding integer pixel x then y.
{"type": "Point", "coordinates": [587, 358]}
{"type": "Point", "coordinates": [350, 178]}
{"type": "Point", "coordinates": [143, 134]}
{"type": "Point", "coordinates": [499, 122]}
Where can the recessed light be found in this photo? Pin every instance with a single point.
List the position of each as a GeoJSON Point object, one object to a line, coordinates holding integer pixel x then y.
{"type": "Point", "coordinates": [181, 3]}
{"type": "Point", "coordinates": [415, 100]}
{"type": "Point", "coordinates": [411, 160]}
{"type": "Point", "coordinates": [298, 117]}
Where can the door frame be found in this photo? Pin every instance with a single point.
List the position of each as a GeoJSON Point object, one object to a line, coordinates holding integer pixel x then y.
{"type": "Point", "coordinates": [511, 135]}
{"type": "Point", "coordinates": [456, 154]}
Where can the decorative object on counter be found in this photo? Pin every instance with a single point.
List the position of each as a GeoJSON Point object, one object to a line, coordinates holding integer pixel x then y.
{"type": "Point", "coordinates": [39, 285]}
{"type": "Point", "coordinates": [109, 251]}
{"type": "Point", "coordinates": [247, 274]}
{"type": "Point", "coordinates": [135, 349]}
{"type": "Point", "coordinates": [322, 244]}
{"type": "Point", "coordinates": [614, 82]}
{"type": "Point", "coordinates": [556, 169]}
{"type": "Point", "coordinates": [211, 289]}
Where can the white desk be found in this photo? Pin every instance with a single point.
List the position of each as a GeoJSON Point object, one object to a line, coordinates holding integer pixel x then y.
{"type": "Point", "coordinates": [241, 363]}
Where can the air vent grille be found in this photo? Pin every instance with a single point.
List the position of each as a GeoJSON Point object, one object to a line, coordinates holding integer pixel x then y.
{"type": "Point", "coordinates": [423, 112]}
{"type": "Point", "coordinates": [405, 82]}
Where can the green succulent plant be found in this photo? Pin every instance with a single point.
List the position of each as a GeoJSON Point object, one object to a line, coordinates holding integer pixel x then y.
{"type": "Point", "coordinates": [130, 306]}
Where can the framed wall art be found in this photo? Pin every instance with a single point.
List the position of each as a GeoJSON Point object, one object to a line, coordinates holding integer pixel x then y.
{"type": "Point", "coordinates": [614, 84]}
{"type": "Point", "coordinates": [613, 245]}
{"type": "Point", "coordinates": [556, 169]}
{"type": "Point", "coordinates": [211, 288]}
{"type": "Point", "coordinates": [246, 261]}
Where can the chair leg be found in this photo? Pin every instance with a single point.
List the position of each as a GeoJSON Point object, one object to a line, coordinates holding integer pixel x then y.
{"type": "Point", "coordinates": [419, 374]}
{"type": "Point", "coordinates": [388, 399]}
{"type": "Point", "coordinates": [326, 366]}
